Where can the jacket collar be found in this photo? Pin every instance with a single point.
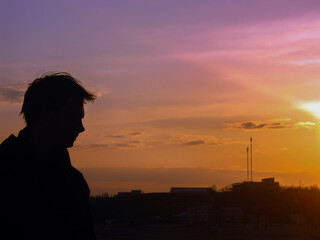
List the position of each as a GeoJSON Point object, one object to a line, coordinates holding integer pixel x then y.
{"type": "Point", "coordinates": [60, 156]}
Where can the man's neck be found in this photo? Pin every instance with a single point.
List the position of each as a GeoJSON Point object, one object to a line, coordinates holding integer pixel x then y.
{"type": "Point", "coordinates": [43, 142]}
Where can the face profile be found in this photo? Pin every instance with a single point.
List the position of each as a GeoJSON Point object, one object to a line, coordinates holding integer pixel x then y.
{"type": "Point", "coordinates": [68, 122]}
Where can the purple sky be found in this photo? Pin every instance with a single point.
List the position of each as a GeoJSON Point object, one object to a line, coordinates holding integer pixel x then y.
{"type": "Point", "coordinates": [193, 79]}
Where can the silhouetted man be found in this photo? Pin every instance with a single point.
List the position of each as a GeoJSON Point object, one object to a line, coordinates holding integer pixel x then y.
{"type": "Point", "coordinates": [44, 196]}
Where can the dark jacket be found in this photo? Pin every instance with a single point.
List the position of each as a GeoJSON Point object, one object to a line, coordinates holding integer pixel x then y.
{"type": "Point", "coordinates": [42, 198]}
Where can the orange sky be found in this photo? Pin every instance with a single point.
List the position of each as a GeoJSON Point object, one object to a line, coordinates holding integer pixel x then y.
{"type": "Point", "coordinates": [182, 87]}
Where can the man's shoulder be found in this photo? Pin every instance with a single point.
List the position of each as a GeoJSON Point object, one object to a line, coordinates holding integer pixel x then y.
{"type": "Point", "coordinates": [12, 153]}
{"type": "Point", "coordinates": [8, 145]}
{"type": "Point", "coordinates": [9, 156]}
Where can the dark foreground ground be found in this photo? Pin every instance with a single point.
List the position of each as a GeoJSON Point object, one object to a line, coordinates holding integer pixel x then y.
{"type": "Point", "coordinates": [184, 232]}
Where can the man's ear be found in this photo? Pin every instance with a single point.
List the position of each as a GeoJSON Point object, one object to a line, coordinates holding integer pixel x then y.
{"type": "Point", "coordinates": [47, 116]}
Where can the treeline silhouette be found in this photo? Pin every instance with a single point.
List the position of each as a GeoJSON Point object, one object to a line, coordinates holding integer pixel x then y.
{"type": "Point", "coordinates": [285, 205]}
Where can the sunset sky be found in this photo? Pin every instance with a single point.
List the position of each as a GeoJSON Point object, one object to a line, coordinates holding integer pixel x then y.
{"type": "Point", "coordinates": [182, 86]}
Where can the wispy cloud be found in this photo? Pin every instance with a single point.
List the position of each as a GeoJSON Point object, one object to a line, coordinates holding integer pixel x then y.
{"type": "Point", "coordinates": [135, 133]}
{"type": "Point", "coordinates": [116, 136]}
{"type": "Point", "coordinates": [195, 140]}
{"type": "Point", "coordinates": [115, 140]}
{"type": "Point", "coordinates": [109, 146]}
{"type": "Point", "coordinates": [101, 92]}
{"type": "Point", "coordinates": [151, 140]}
{"type": "Point", "coordinates": [251, 125]}
{"type": "Point", "coordinates": [272, 124]}
{"type": "Point", "coordinates": [128, 135]}
{"type": "Point", "coordinates": [102, 146]}
{"type": "Point", "coordinates": [11, 94]}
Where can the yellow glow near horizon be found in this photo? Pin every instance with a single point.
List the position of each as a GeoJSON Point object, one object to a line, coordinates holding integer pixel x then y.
{"type": "Point", "coordinates": [312, 107]}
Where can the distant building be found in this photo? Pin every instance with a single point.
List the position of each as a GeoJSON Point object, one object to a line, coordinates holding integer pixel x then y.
{"type": "Point", "coordinates": [190, 189]}
{"type": "Point", "coordinates": [132, 193]}
{"type": "Point", "coordinates": [266, 183]}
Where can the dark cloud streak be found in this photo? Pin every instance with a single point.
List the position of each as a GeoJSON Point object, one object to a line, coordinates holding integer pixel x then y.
{"type": "Point", "coordinates": [251, 125]}
{"type": "Point", "coordinates": [9, 94]}
{"type": "Point", "coordinates": [196, 142]}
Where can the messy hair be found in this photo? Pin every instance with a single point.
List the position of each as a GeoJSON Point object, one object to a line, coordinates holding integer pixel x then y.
{"type": "Point", "coordinates": [50, 92]}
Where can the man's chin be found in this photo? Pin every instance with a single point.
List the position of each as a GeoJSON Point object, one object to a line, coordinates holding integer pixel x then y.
{"type": "Point", "coordinates": [69, 145]}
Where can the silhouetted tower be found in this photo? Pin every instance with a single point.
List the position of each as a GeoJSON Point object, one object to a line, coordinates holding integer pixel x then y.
{"type": "Point", "coordinates": [300, 182]}
{"type": "Point", "coordinates": [247, 164]}
{"type": "Point", "coordinates": [251, 155]}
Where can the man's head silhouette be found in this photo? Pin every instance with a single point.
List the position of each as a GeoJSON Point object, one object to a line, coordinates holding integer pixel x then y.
{"type": "Point", "coordinates": [37, 163]}
{"type": "Point", "coordinates": [53, 109]}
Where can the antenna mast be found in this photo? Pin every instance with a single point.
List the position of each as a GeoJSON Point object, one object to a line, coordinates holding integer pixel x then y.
{"type": "Point", "coordinates": [251, 155]}
{"type": "Point", "coordinates": [247, 164]}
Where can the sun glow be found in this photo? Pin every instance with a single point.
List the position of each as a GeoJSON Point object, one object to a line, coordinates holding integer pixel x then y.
{"type": "Point", "coordinates": [312, 107]}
